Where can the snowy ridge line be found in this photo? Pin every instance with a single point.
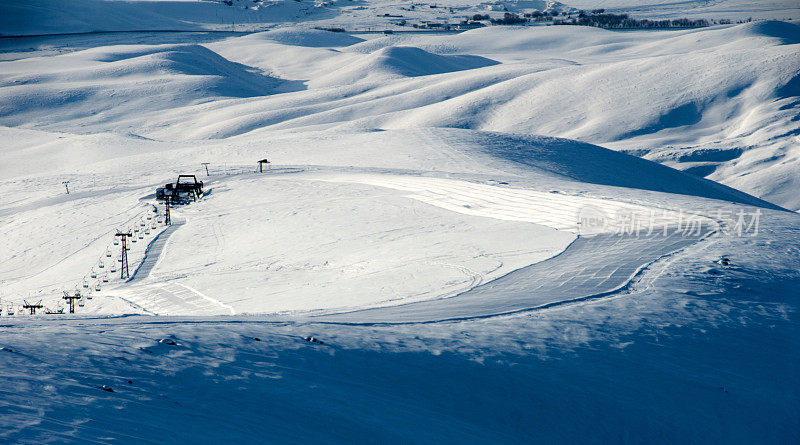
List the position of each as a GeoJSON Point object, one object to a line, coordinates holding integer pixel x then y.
{"type": "Point", "coordinates": [612, 293]}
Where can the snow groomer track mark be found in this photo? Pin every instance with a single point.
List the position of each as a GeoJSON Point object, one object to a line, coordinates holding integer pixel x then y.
{"type": "Point", "coordinates": [590, 267]}
{"type": "Point", "coordinates": [153, 252]}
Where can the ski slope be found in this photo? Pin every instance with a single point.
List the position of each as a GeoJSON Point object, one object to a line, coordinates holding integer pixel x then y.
{"type": "Point", "coordinates": [577, 274]}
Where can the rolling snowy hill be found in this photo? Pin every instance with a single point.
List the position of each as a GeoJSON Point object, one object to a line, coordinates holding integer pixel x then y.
{"type": "Point", "coordinates": [719, 102]}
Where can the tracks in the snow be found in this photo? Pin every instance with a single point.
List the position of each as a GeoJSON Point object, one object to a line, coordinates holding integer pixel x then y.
{"type": "Point", "coordinates": [153, 252]}
{"type": "Point", "coordinates": [590, 268]}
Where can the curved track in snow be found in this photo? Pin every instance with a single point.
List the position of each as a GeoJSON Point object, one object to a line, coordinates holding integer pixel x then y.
{"type": "Point", "coordinates": [591, 267]}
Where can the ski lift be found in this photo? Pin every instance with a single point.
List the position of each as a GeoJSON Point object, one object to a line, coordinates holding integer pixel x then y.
{"type": "Point", "coordinates": [81, 303]}
{"type": "Point", "coordinates": [113, 268]}
{"type": "Point", "coordinates": [96, 287]}
{"type": "Point", "coordinates": [154, 226]}
{"type": "Point", "coordinates": [116, 241]}
{"type": "Point", "coordinates": [133, 239]}
{"type": "Point", "coordinates": [108, 253]}
{"type": "Point", "coordinates": [147, 232]}
{"type": "Point", "coordinates": [159, 220]}
{"type": "Point", "coordinates": [141, 236]}
{"type": "Point", "coordinates": [85, 283]}
{"type": "Point", "coordinates": [141, 223]}
{"type": "Point", "coordinates": [119, 258]}
{"type": "Point", "coordinates": [135, 229]}
{"type": "Point", "coordinates": [105, 278]}
{"type": "Point", "coordinates": [94, 274]}
{"type": "Point", "coordinates": [10, 309]}
{"type": "Point", "coordinates": [101, 265]}
{"type": "Point", "coordinates": [149, 217]}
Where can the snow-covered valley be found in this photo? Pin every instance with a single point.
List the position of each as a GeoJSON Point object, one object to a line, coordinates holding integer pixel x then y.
{"type": "Point", "coordinates": [508, 234]}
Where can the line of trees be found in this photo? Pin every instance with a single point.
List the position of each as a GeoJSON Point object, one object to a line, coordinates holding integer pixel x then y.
{"type": "Point", "coordinates": [597, 18]}
{"type": "Point", "coordinates": [624, 21]}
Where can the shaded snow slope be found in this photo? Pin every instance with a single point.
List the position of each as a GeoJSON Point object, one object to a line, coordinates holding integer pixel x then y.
{"type": "Point", "coordinates": [694, 350]}
{"type": "Point", "coordinates": [105, 85]}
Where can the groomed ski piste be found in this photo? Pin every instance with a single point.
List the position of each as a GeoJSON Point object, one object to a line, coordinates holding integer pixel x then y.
{"type": "Point", "coordinates": [438, 251]}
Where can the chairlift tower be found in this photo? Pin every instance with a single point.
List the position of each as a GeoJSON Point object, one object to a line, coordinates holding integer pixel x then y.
{"type": "Point", "coordinates": [32, 307]}
{"type": "Point", "coordinates": [205, 164]}
{"type": "Point", "coordinates": [71, 300]}
{"type": "Point", "coordinates": [66, 185]}
{"type": "Point", "coordinates": [123, 269]}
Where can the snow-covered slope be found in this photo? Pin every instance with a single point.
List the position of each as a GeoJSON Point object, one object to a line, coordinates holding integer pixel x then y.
{"type": "Point", "coordinates": [302, 232]}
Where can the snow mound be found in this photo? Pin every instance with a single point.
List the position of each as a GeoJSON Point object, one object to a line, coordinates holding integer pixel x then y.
{"type": "Point", "coordinates": [402, 61]}
{"type": "Point", "coordinates": [306, 37]}
{"type": "Point", "coordinates": [119, 82]}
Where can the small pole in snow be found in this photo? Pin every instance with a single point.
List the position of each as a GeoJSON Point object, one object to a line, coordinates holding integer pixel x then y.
{"type": "Point", "coordinates": [66, 184]}
{"type": "Point", "coordinates": [205, 164]}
